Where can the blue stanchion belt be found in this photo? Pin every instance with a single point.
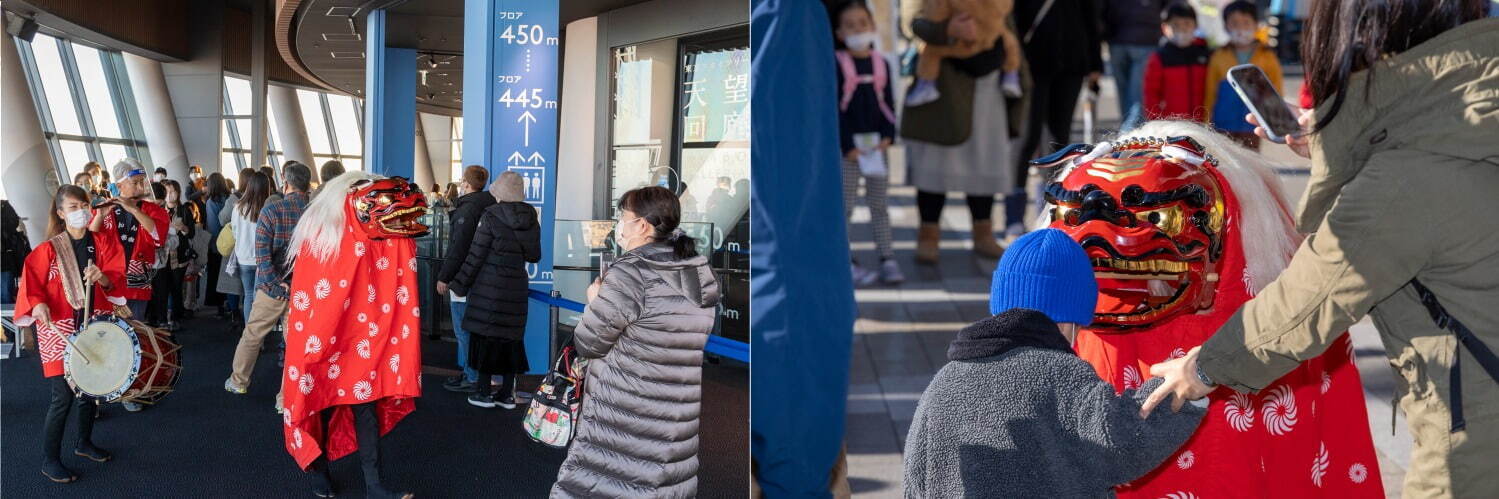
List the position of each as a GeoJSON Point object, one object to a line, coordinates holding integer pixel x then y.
{"type": "Point", "coordinates": [717, 345]}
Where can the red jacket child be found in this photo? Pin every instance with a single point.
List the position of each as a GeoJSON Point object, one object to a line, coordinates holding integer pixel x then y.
{"type": "Point", "coordinates": [1175, 80]}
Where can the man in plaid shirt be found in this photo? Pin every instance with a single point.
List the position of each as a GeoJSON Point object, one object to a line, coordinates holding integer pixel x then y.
{"type": "Point", "coordinates": [273, 232]}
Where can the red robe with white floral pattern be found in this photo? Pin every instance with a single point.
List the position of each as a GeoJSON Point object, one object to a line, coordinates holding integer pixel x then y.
{"type": "Point", "coordinates": [1305, 435]}
{"type": "Point", "coordinates": [138, 263]}
{"type": "Point", "coordinates": [352, 337]}
{"type": "Point", "coordinates": [41, 282]}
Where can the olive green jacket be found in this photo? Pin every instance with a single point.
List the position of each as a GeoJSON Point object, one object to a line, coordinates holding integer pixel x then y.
{"type": "Point", "coordinates": [1404, 184]}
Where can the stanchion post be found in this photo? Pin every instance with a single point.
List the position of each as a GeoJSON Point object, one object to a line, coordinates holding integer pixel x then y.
{"type": "Point", "coordinates": [552, 324]}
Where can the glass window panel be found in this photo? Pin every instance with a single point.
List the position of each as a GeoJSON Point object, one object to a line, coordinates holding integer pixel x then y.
{"type": "Point", "coordinates": [270, 121]}
{"type": "Point", "coordinates": [644, 83]}
{"type": "Point", "coordinates": [312, 117]}
{"type": "Point", "coordinates": [96, 90]}
{"type": "Point", "coordinates": [352, 164]}
{"type": "Point", "coordinates": [54, 81]}
{"type": "Point", "coordinates": [74, 155]}
{"type": "Point", "coordinates": [239, 95]}
{"type": "Point", "coordinates": [346, 124]}
{"type": "Point", "coordinates": [227, 162]}
{"type": "Point", "coordinates": [113, 153]}
{"type": "Point", "coordinates": [243, 129]}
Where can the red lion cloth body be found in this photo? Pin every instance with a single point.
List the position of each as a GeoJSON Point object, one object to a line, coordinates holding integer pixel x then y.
{"type": "Point", "coordinates": [353, 328]}
{"type": "Point", "coordinates": [1176, 254]}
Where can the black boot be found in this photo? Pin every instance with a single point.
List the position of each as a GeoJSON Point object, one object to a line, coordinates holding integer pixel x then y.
{"type": "Point", "coordinates": [322, 482]}
{"type": "Point", "coordinates": [367, 429]}
{"type": "Point", "coordinates": [86, 447]}
{"type": "Point", "coordinates": [57, 415]}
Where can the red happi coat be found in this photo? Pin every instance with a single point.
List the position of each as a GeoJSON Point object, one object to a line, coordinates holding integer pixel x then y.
{"type": "Point", "coordinates": [138, 263]}
{"type": "Point", "coordinates": [352, 337]}
{"type": "Point", "coordinates": [41, 282]}
{"type": "Point", "coordinates": [1305, 435]}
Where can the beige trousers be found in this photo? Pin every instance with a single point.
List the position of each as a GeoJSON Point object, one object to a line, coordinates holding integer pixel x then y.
{"type": "Point", "coordinates": [264, 315]}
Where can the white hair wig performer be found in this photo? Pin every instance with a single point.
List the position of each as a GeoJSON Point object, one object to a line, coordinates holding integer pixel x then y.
{"type": "Point", "coordinates": [322, 223]}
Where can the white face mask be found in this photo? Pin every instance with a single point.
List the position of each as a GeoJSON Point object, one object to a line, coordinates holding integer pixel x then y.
{"type": "Point", "coordinates": [77, 219]}
{"type": "Point", "coordinates": [1242, 37]}
{"type": "Point", "coordinates": [861, 41]}
{"type": "Point", "coordinates": [620, 239]}
{"type": "Point", "coordinates": [195, 176]}
{"type": "Point", "coordinates": [1183, 39]}
{"type": "Point", "coordinates": [160, 177]}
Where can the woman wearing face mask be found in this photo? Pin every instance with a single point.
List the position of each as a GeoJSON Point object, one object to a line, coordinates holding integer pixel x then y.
{"type": "Point", "coordinates": [55, 285]}
{"type": "Point", "coordinates": [494, 282]}
{"type": "Point", "coordinates": [1227, 111]}
{"type": "Point", "coordinates": [647, 321]}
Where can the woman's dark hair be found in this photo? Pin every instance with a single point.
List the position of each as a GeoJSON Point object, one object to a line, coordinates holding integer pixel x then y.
{"type": "Point", "coordinates": [159, 192]}
{"type": "Point", "coordinates": [257, 189]}
{"type": "Point", "coordinates": [172, 184]}
{"type": "Point", "coordinates": [1349, 36]}
{"type": "Point", "coordinates": [660, 208]}
{"type": "Point", "coordinates": [55, 224]}
{"type": "Point", "coordinates": [244, 179]}
{"type": "Point", "coordinates": [1241, 7]}
{"type": "Point", "coordinates": [218, 187]}
{"type": "Point", "coordinates": [1178, 9]}
{"type": "Point", "coordinates": [270, 176]}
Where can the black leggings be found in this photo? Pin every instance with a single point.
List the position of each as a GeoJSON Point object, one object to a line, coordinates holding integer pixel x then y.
{"type": "Point", "coordinates": [57, 416]}
{"type": "Point", "coordinates": [507, 385]}
{"type": "Point", "coordinates": [929, 206]}
{"type": "Point", "coordinates": [1053, 100]}
{"type": "Point", "coordinates": [367, 431]}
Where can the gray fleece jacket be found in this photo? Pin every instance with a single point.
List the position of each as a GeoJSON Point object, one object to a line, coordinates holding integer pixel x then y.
{"type": "Point", "coordinates": [1018, 414]}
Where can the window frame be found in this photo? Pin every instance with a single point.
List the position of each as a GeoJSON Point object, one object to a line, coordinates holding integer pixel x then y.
{"type": "Point", "coordinates": [122, 103]}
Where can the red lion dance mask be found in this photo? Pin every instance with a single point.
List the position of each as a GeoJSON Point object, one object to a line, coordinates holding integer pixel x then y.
{"type": "Point", "coordinates": [388, 207]}
{"type": "Point", "coordinates": [1183, 227]}
{"type": "Point", "coordinates": [1151, 215]}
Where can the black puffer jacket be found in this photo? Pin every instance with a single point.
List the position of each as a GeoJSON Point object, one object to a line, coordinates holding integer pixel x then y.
{"type": "Point", "coordinates": [464, 218]}
{"type": "Point", "coordinates": [493, 276]}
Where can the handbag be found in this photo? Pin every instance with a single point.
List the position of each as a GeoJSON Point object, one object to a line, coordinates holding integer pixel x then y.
{"type": "Point", "coordinates": [552, 417]}
{"type": "Point", "coordinates": [226, 241]}
{"type": "Point", "coordinates": [949, 119]}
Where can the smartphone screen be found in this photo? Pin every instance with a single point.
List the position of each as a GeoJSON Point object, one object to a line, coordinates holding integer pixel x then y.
{"type": "Point", "coordinates": [1260, 95]}
{"type": "Point", "coordinates": [605, 260]}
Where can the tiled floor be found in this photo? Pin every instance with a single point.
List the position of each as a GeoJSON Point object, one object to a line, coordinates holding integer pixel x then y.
{"type": "Point", "coordinates": [902, 333]}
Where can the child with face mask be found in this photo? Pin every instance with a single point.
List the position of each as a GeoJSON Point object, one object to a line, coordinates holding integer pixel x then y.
{"type": "Point", "coordinates": [866, 128]}
{"type": "Point", "coordinates": [1242, 20]}
{"type": "Point", "coordinates": [1173, 86]}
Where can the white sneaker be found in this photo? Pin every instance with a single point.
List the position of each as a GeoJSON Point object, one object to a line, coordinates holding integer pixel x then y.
{"type": "Point", "coordinates": [890, 272]}
{"type": "Point", "coordinates": [924, 93]}
{"type": "Point", "coordinates": [131, 406]}
{"type": "Point", "coordinates": [1010, 85]}
{"type": "Point", "coordinates": [863, 276]}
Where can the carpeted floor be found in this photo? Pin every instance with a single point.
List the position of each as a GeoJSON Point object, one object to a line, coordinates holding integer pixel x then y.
{"type": "Point", "coordinates": [204, 442]}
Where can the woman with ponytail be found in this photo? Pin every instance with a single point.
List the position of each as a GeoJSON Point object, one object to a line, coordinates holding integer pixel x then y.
{"type": "Point", "coordinates": [54, 291]}
{"type": "Point", "coordinates": [648, 317]}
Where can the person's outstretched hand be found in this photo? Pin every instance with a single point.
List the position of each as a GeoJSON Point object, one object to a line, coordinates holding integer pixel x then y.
{"type": "Point", "coordinates": [1298, 144]}
{"type": "Point", "coordinates": [1181, 381]}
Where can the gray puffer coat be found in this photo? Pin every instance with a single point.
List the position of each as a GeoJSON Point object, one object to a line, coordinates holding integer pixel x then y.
{"type": "Point", "coordinates": [644, 333]}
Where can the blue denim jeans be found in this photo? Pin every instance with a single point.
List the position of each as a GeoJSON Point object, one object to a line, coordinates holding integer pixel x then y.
{"type": "Point", "coordinates": [8, 287]}
{"type": "Point", "coordinates": [1127, 64]}
{"type": "Point", "coordinates": [246, 275]}
{"type": "Point", "coordinates": [458, 307]}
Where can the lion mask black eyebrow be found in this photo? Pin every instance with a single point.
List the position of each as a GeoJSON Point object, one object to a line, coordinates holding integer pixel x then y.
{"type": "Point", "coordinates": [1133, 196]}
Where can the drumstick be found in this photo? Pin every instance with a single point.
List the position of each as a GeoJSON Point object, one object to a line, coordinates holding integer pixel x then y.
{"type": "Point", "coordinates": [69, 340]}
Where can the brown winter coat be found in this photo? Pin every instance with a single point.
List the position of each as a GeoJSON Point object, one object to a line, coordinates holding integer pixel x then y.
{"type": "Point", "coordinates": [638, 431]}
{"type": "Point", "coordinates": [1403, 186]}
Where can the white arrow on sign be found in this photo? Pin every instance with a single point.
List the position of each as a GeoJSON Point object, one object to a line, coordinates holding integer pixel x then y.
{"type": "Point", "coordinates": [536, 158]}
{"type": "Point", "coordinates": [523, 119]}
{"type": "Point", "coordinates": [516, 158]}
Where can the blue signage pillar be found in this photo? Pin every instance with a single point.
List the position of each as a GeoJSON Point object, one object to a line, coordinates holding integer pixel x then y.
{"type": "Point", "coordinates": [389, 103]}
{"type": "Point", "coordinates": [510, 120]}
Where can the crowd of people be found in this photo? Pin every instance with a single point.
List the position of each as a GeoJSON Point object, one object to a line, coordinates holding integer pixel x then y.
{"type": "Point", "coordinates": [164, 252]}
{"type": "Point", "coordinates": [991, 79]}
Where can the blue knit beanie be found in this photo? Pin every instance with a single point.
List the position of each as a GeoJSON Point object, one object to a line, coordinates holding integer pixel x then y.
{"type": "Point", "coordinates": [1047, 271]}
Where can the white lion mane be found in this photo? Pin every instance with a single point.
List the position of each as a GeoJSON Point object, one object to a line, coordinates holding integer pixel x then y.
{"type": "Point", "coordinates": [322, 225]}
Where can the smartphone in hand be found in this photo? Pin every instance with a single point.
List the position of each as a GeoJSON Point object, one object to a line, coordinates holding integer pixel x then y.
{"type": "Point", "coordinates": [1255, 89]}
